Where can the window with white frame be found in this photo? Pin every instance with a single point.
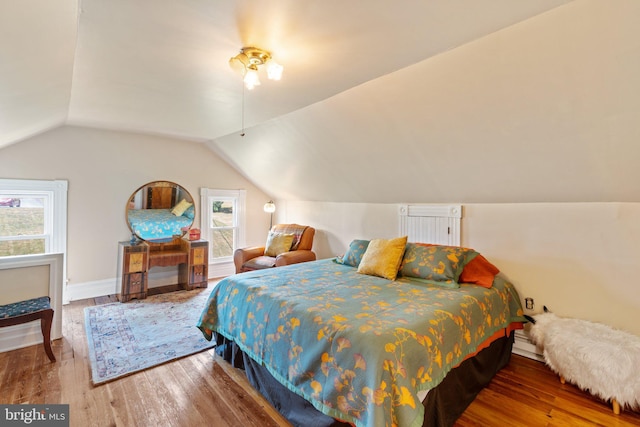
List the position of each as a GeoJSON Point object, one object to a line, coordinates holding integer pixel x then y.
{"type": "Point", "coordinates": [33, 217]}
{"type": "Point", "coordinates": [222, 222]}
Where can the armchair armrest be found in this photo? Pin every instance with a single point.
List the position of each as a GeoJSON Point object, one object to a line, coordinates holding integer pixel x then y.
{"type": "Point", "coordinates": [242, 255]}
{"type": "Point", "coordinates": [294, 257]}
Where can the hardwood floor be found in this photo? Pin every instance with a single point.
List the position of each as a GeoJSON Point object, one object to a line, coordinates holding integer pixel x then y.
{"type": "Point", "coordinates": [527, 393]}
{"type": "Point", "coordinates": [202, 390]}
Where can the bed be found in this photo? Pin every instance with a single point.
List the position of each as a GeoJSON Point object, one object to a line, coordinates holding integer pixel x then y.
{"type": "Point", "coordinates": [329, 343]}
{"type": "Point", "coordinates": [154, 224]}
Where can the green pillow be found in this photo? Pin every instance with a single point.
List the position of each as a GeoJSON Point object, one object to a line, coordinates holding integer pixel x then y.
{"type": "Point", "coordinates": [354, 254]}
{"type": "Point", "coordinates": [434, 263]}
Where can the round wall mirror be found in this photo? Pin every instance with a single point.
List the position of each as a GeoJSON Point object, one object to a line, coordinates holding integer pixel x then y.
{"type": "Point", "coordinates": [160, 211]}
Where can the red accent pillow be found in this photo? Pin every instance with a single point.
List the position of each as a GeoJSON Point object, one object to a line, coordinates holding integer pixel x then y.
{"type": "Point", "coordinates": [479, 271]}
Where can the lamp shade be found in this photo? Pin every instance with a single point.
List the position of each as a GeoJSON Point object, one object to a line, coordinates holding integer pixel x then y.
{"type": "Point", "coordinates": [269, 207]}
{"type": "Point", "coordinates": [274, 70]}
{"type": "Point", "coordinates": [251, 78]}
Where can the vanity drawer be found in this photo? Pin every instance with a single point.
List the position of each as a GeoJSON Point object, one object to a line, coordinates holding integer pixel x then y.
{"type": "Point", "coordinates": [135, 259]}
{"type": "Point", "coordinates": [197, 277]}
{"type": "Point", "coordinates": [198, 274]}
{"type": "Point", "coordinates": [198, 255]}
{"type": "Point", "coordinates": [134, 283]}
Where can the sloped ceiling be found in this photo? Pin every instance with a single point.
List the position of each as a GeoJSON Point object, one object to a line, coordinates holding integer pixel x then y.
{"type": "Point", "coordinates": [37, 45]}
{"type": "Point", "coordinates": [547, 110]}
{"type": "Point", "coordinates": [360, 77]}
{"type": "Point", "coordinates": [161, 66]}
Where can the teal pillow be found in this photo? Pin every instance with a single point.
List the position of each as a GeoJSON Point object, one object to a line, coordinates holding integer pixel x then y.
{"type": "Point", "coordinates": [354, 254]}
{"type": "Point", "coordinates": [190, 212]}
{"type": "Point", "coordinates": [434, 263]}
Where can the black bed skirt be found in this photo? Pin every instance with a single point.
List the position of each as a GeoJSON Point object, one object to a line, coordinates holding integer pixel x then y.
{"type": "Point", "coordinates": [443, 404]}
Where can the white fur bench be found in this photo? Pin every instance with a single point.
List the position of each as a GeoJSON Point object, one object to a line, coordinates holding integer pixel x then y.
{"type": "Point", "coordinates": [595, 357]}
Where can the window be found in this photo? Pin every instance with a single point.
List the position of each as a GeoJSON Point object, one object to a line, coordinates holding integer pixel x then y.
{"type": "Point", "coordinates": [33, 217]}
{"type": "Point", "coordinates": [222, 222]}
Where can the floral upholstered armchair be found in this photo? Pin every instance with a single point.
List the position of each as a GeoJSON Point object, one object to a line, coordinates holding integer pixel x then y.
{"type": "Point", "coordinates": [286, 244]}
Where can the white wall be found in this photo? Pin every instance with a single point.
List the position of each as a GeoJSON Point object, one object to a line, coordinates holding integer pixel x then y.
{"type": "Point", "coordinates": [103, 169]}
{"type": "Point", "coordinates": [579, 259]}
{"type": "Point", "coordinates": [337, 224]}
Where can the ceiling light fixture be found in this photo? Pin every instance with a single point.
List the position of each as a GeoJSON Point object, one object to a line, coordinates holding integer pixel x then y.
{"type": "Point", "coordinates": [250, 61]}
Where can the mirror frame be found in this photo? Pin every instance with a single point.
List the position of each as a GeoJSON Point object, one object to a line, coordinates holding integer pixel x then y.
{"type": "Point", "coordinates": [143, 198]}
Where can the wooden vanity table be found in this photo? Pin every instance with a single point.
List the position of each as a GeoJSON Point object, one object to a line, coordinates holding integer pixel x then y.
{"type": "Point", "coordinates": [159, 214]}
{"type": "Point", "coordinates": [135, 261]}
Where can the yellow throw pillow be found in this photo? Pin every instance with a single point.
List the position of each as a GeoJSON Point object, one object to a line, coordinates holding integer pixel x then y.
{"type": "Point", "coordinates": [278, 243]}
{"type": "Point", "coordinates": [181, 207]}
{"type": "Point", "coordinates": [383, 257]}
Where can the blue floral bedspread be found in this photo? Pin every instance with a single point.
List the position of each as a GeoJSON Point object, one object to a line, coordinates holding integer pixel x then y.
{"type": "Point", "coordinates": [150, 224]}
{"type": "Point", "coordinates": [358, 347]}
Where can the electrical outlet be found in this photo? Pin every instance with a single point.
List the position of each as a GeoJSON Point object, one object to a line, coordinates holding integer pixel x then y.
{"type": "Point", "coordinates": [528, 303]}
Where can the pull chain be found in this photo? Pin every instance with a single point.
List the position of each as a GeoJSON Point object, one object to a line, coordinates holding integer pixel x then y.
{"type": "Point", "coordinates": [242, 133]}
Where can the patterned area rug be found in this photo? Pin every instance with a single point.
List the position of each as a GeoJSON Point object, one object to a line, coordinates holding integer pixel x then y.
{"type": "Point", "coordinates": [129, 337]}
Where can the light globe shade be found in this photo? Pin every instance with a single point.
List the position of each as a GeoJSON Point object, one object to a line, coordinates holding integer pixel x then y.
{"type": "Point", "coordinates": [274, 70]}
{"type": "Point", "coordinates": [251, 78]}
{"type": "Point", "coordinates": [269, 207]}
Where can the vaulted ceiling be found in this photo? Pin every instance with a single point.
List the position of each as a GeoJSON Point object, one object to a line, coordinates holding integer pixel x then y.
{"type": "Point", "coordinates": [529, 100]}
{"type": "Point", "coordinates": [161, 66]}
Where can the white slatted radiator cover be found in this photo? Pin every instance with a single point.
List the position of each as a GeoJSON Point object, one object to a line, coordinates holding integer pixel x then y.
{"type": "Point", "coordinates": [439, 224]}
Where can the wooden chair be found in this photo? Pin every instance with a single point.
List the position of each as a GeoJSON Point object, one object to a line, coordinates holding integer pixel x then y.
{"type": "Point", "coordinates": [27, 311]}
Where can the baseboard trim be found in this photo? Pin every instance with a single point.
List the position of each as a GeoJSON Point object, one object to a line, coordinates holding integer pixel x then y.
{"type": "Point", "coordinates": [19, 336]}
{"type": "Point", "coordinates": [93, 289]}
{"type": "Point", "coordinates": [99, 288]}
{"type": "Point", "coordinates": [222, 269]}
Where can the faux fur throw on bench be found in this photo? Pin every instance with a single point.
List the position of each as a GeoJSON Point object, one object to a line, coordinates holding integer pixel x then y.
{"type": "Point", "coordinates": [595, 357]}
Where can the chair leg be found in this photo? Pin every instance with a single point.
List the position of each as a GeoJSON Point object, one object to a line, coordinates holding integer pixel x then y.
{"type": "Point", "coordinates": [45, 325]}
